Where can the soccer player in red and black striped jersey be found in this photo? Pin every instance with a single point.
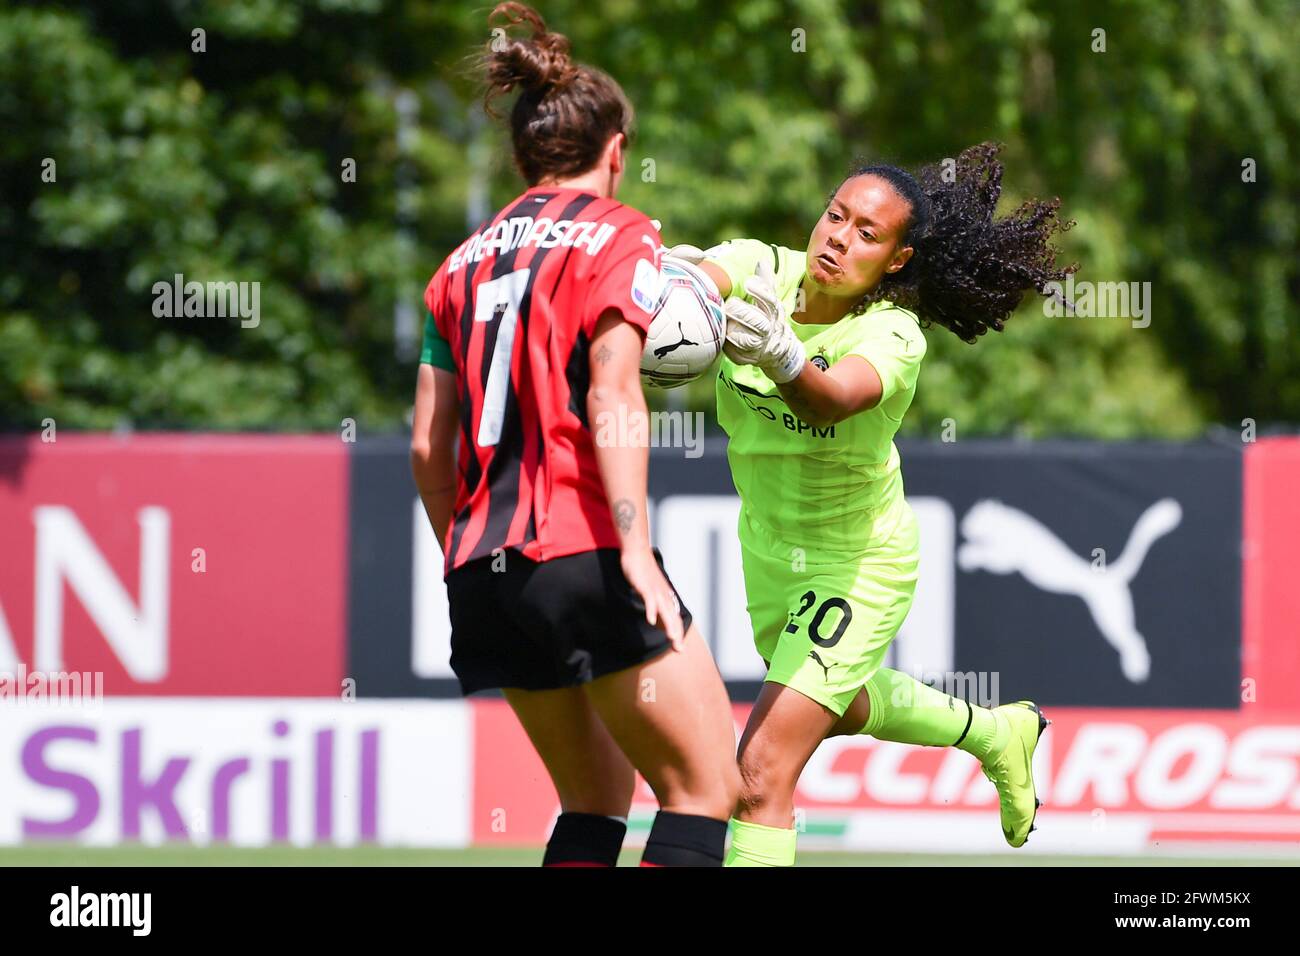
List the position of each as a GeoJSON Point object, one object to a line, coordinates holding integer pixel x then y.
{"type": "Point", "coordinates": [535, 332]}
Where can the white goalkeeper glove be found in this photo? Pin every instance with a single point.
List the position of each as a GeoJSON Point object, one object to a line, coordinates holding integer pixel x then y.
{"type": "Point", "coordinates": [688, 253]}
{"type": "Point", "coordinates": [759, 333]}
{"type": "Point", "coordinates": [691, 257]}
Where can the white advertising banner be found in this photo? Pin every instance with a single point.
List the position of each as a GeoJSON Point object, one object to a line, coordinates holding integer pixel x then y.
{"type": "Point", "coordinates": [248, 772]}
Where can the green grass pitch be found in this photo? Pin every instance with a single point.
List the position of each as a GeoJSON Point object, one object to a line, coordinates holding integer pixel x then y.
{"type": "Point", "coordinates": [61, 855]}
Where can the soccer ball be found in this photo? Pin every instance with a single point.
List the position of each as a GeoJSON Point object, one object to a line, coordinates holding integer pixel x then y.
{"type": "Point", "coordinates": [686, 333]}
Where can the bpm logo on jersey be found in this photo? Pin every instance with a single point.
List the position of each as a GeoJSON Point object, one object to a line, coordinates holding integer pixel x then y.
{"type": "Point", "coordinates": [103, 909]}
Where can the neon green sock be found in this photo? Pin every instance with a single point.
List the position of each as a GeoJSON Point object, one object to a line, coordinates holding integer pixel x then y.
{"type": "Point", "coordinates": [910, 712]}
{"type": "Point", "coordinates": [753, 844]}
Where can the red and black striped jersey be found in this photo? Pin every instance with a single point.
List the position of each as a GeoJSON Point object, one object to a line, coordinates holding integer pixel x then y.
{"type": "Point", "coordinates": [518, 302]}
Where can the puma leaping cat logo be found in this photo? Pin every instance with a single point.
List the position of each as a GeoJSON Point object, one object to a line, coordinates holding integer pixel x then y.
{"type": "Point", "coordinates": [824, 666]}
{"type": "Point", "coordinates": [665, 349]}
{"type": "Point", "coordinates": [1004, 540]}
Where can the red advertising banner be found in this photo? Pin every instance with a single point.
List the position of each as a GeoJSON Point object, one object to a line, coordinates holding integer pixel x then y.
{"type": "Point", "coordinates": [176, 565]}
{"type": "Point", "coordinates": [1112, 781]}
{"type": "Point", "coordinates": [1270, 666]}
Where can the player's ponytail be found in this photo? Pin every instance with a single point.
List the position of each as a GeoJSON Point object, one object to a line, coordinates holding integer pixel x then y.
{"type": "Point", "coordinates": [969, 270]}
{"type": "Point", "coordinates": [566, 111]}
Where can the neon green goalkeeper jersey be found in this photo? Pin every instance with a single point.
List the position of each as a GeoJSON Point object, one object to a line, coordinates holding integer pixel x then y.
{"type": "Point", "coordinates": [819, 488]}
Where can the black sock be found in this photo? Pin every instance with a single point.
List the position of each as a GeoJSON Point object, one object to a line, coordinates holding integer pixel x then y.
{"type": "Point", "coordinates": [678, 839]}
{"type": "Point", "coordinates": [584, 839]}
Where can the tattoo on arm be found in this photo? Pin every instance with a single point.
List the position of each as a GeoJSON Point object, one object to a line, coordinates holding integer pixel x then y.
{"type": "Point", "coordinates": [604, 354]}
{"type": "Point", "coordinates": [624, 514]}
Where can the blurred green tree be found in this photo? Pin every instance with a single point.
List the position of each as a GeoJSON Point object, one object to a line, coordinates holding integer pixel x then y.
{"type": "Point", "coordinates": [1169, 135]}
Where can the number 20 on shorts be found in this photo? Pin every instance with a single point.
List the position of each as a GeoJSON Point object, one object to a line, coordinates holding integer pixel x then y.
{"type": "Point", "coordinates": [815, 627]}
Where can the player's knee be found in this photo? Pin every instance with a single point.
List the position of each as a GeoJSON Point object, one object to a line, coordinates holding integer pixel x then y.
{"type": "Point", "coordinates": [712, 793]}
{"type": "Point", "coordinates": [601, 787]}
{"type": "Point", "coordinates": [598, 804]}
{"type": "Point", "coordinates": [754, 797]}
{"type": "Point", "coordinates": [609, 798]}
{"type": "Point", "coordinates": [762, 778]}
{"type": "Point", "coordinates": [749, 799]}
{"type": "Point", "coordinates": [719, 799]}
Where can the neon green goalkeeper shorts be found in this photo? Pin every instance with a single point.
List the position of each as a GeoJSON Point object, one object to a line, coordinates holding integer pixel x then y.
{"type": "Point", "coordinates": [823, 620]}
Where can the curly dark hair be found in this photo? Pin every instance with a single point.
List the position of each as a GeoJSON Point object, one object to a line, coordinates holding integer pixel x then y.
{"type": "Point", "coordinates": [969, 270]}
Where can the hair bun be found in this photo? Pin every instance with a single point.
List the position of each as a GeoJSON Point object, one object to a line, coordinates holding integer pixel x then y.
{"type": "Point", "coordinates": [566, 112]}
{"type": "Point", "coordinates": [535, 65]}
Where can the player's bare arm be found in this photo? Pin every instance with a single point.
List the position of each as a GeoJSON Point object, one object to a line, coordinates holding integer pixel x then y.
{"type": "Point", "coordinates": [615, 396]}
{"type": "Point", "coordinates": [433, 459]}
{"type": "Point", "coordinates": [718, 275]}
{"type": "Point", "coordinates": [820, 398]}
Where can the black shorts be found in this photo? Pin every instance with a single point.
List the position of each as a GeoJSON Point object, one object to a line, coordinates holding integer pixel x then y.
{"type": "Point", "coordinates": [545, 625]}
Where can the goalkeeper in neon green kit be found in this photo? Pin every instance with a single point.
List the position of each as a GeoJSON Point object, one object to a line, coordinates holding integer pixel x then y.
{"type": "Point", "coordinates": [822, 356]}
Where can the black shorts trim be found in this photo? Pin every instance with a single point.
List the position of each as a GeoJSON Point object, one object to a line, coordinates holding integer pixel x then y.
{"type": "Point", "coordinates": [544, 625]}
